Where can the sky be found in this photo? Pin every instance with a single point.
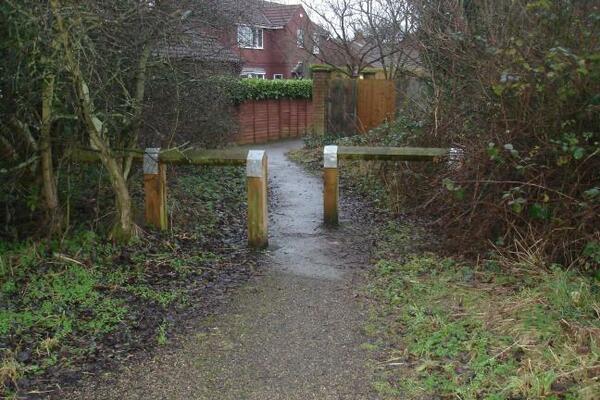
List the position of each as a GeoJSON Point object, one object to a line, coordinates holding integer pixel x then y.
{"type": "Point", "coordinates": [288, 1]}
{"type": "Point", "coordinates": [311, 14]}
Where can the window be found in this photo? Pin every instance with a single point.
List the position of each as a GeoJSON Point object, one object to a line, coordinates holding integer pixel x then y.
{"type": "Point", "coordinates": [253, 73]}
{"type": "Point", "coordinates": [277, 76]}
{"type": "Point", "coordinates": [316, 44]}
{"type": "Point", "coordinates": [300, 38]}
{"type": "Point", "coordinates": [250, 37]}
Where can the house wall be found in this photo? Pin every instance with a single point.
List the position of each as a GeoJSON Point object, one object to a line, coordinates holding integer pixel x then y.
{"type": "Point", "coordinates": [287, 40]}
{"type": "Point", "coordinates": [280, 53]}
{"type": "Point", "coordinates": [270, 57]}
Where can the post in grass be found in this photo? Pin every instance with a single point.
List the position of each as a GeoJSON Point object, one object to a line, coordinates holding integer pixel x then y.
{"type": "Point", "coordinates": [256, 174]}
{"type": "Point", "coordinates": [155, 189]}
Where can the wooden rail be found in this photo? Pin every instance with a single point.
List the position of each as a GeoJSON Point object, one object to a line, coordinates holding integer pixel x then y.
{"type": "Point", "coordinates": [331, 155]}
{"type": "Point", "coordinates": [390, 153]}
{"type": "Point", "coordinates": [155, 181]}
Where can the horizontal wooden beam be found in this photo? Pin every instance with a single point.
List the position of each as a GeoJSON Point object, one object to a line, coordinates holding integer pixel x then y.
{"type": "Point", "coordinates": [391, 153]}
{"type": "Point", "coordinates": [331, 155]}
{"type": "Point", "coordinates": [204, 157]}
{"type": "Point", "coordinates": [175, 156]}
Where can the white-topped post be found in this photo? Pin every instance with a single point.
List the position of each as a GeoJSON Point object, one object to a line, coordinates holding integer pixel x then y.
{"type": "Point", "coordinates": [330, 185]}
{"type": "Point", "coordinates": [155, 189]}
{"type": "Point", "coordinates": [256, 175]}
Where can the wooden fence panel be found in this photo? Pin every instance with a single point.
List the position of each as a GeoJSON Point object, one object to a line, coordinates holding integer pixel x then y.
{"type": "Point", "coordinates": [266, 120]}
{"type": "Point", "coordinates": [341, 106]}
{"type": "Point", "coordinates": [376, 103]}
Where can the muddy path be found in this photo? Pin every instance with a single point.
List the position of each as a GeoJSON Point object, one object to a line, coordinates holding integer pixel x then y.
{"type": "Point", "coordinates": [292, 333]}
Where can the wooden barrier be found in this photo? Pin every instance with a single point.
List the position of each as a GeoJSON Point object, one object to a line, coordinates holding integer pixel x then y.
{"type": "Point", "coordinates": [256, 173]}
{"type": "Point", "coordinates": [155, 181]}
{"type": "Point", "coordinates": [332, 154]}
{"type": "Point", "coordinates": [330, 185]}
{"type": "Point", "coordinates": [155, 189]}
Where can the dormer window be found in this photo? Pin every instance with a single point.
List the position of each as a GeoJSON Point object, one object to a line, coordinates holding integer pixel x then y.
{"type": "Point", "coordinates": [300, 38]}
{"type": "Point", "coordinates": [250, 37]}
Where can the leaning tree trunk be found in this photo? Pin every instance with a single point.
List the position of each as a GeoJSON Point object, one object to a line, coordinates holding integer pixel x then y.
{"type": "Point", "coordinates": [124, 228]}
{"type": "Point", "coordinates": [138, 106]}
{"type": "Point", "coordinates": [49, 189]}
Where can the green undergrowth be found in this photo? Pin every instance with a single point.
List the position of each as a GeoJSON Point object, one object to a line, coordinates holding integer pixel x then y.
{"type": "Point", "coordinates": [266, 89]}
{"type": "Point", "coordinates": [364, 177]}
{"type": "Point", "coordinates": [71, 302]}
{"type": "Point", "coordinates": [444, 328]}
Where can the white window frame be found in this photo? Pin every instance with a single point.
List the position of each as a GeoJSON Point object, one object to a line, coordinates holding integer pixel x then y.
{"type": "Point", "coordinates": [257, 41]}
{"type": "Point", "coordinates": [277, 76]}
{"type": "Point", "coordinates": [254, 75]}
{"type": "Point", "coordinates": [316, 43]}
{"type": "Point", "coordinates": [300, 38]}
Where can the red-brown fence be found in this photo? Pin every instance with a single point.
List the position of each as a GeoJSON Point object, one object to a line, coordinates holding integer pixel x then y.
{"type": "Point", "coordinates": [358, 105]}
{"type": "Point", "coordinates": [265, 120]}
{"type": "Point", "coordinates": [375, 103]}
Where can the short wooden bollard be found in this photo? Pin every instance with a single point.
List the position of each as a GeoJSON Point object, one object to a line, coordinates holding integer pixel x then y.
{"type": "Point", "coordinates": [155, 189]}
{"type": "Point", "coordinates": [256, 173]}
{"type": "Point", "coordinates": [331, 155]}
{"type": "Point", "coordinates": [330, 185]}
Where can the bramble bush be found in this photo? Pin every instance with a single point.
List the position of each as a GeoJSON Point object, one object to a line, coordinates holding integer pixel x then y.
{"type": "Point", "coordinates": [516, 86]}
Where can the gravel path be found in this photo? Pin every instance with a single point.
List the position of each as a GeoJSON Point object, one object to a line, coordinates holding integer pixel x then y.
{"type": "Point", "coordinates": [293, 333]}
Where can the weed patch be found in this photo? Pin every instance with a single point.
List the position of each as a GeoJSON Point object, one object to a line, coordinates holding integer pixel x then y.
{"type": "Point", "coordinates": [72, 306]}
{"type": "Point", "coordinates": [454, 330]}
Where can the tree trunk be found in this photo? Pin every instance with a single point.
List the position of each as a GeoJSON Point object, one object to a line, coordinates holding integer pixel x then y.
{"type": "Point", "coordinates": [138, 106]}
{"type": "Point", "coordinates": [49, 189]}
{"type": "Point", "coordinates": [124, 228]}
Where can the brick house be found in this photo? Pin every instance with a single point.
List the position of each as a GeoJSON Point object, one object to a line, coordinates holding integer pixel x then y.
{"type": "Point", "coordinates": [277, 41]}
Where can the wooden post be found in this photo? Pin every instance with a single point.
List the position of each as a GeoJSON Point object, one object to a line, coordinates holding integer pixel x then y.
{"type": "Point", "coordinates": [330, 185]}
{"type": "Point", "coordinates": [155, 189]}
{"type": "Point", "coordinates": [256, 173]}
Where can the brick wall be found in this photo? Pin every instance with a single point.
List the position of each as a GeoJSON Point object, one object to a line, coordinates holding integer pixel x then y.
{"type": "Point", "coordinates": [266, 120]}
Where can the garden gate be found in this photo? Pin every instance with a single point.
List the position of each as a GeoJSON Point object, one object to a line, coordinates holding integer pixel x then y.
{"type": "Point", "coordinates": [358, 105]}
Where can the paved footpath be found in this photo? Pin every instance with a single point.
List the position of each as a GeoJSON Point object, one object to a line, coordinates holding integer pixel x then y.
{"type": "Point", "coordinates": [292, 333]}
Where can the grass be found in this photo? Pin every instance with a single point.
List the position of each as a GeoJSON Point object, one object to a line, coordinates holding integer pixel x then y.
{"type": "Point", "coordinates": [61, 299]}
{"type": "Point", "coordinates": [10, 372]}
{"type": "Point", "coordinates": [161, 334]}
{"type": "Point", "coordinates": [456, 330]}
{"type": "Point", "coordinates": [356, 176]}
{"type": "Point", "coordinates": [508, 327]}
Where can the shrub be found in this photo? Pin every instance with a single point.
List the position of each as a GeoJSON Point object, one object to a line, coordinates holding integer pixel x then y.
{"type": "Point", "coordinates": [262, 89]}
{"type": "Point", "coordinates": [516, 85]}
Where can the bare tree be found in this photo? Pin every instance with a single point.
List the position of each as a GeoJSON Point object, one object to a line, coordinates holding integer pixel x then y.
{"type": "Point", "coordinates": [27, 89]}
{"type": "Point", "coordinates": [106, 48]}
{"type": "Point", "coordinates": [365, 33]}
{"type": "Point", "coordinates": [390, 25]}
{"type": "Point", "coordinates": [87, 73]}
